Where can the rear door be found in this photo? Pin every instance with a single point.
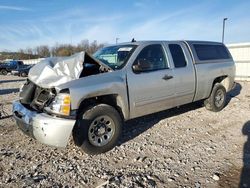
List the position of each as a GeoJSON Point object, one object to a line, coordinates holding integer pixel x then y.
{"type": "Point", "coordinates": [152, 90]}
{"type": "Point", "coordinates": [185, 81]}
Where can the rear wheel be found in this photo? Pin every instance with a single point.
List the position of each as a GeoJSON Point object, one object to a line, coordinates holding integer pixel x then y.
{"type": "Point", "coordinates": [217, 99]}
{"type": "Point", "coordinates": [23, 74]}
{"type": "Point", "coordinates": [98, 129]}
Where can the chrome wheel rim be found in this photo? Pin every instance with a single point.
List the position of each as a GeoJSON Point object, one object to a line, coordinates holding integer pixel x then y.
{"type": "Point", "coordinates": [101, 130]}
{"type": "Point", "coordinates": [219, 98]}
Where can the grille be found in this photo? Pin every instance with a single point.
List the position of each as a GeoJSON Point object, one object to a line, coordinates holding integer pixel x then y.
{"type": "Point", "coordinates": [35, 96]}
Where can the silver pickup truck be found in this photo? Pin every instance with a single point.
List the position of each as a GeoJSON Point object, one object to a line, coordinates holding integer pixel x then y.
{"type": "Point", "coordinates": [90, 96]}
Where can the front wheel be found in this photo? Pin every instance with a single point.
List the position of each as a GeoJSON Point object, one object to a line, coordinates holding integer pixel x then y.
{"type": "Point", "coordinates": [4, 72]}
{"type": "Point", "coordinates": [217, 99]}
{"type": "Point", "coordinates": [98, 129]}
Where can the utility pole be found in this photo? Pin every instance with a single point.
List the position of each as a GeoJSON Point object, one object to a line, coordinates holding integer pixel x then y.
{"type": "Point", "coordinates": [116, 40]}
{"type": "Point", "coordinates": [223, 29]}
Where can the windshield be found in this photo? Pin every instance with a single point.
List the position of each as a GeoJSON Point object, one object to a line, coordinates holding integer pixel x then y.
{"type": "Point", "coordinates": [115, 56]}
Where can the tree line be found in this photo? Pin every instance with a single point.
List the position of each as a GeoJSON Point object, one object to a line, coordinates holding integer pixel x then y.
{"type": "Point", "coordinates": [56, 50]}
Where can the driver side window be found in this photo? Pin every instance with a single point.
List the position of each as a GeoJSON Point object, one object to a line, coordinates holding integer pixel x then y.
{"type": "Point", "coordinates": [152, 58]}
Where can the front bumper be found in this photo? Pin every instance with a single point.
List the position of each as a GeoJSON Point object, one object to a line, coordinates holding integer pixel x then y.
{"type": "Point", "coordinates": [45, 128]}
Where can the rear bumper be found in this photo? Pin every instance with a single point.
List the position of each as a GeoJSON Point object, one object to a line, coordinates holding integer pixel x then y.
{"type": "Point", "coordinates": [46, 129]}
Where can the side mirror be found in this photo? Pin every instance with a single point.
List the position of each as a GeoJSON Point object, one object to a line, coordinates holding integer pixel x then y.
{"type": "Point", "coordinates": [136, 68]}
{"type": "Point", "coordinates": [141, 65]}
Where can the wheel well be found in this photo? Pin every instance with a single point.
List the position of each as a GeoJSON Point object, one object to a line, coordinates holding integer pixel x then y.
{"type": "Point", "coordinates": [224, 80]}
{"type": "Point", "coordinates": [104, 99]}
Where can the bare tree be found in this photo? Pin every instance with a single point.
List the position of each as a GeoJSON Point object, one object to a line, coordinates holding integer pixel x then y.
{"type": "Point", "coordinates": [56, 50]}
{"type": "Point", "coordinates": [83, 46]}
{"type": "Point", "coordinates": [29, 51]}
{"type": "Point", "coordinates": [43, 51]}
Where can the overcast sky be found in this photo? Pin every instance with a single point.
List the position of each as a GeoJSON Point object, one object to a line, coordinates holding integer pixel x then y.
{"type": "Point", "coordinates": [28, 23]}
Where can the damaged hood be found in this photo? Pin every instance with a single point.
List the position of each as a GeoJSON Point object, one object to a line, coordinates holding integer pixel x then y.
{"type": "Point", "coordinates": [52, 72]}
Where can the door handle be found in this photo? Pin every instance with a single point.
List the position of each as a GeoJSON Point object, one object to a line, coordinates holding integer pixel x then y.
{"type": "Point", "coordinates": [167, 77]}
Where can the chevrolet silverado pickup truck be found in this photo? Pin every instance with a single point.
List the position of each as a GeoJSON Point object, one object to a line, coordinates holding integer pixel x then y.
{"type": "Point", "coordinates": [89, 97]}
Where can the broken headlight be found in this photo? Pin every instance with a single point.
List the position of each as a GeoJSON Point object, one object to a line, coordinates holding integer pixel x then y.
{"type": "Point", "coordinates": [60, 105]}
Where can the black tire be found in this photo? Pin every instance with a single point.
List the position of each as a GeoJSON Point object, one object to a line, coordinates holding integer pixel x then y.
{"type": "Point", "coordinates": [23, 74]}
{"type": "Point", "coordinates": [4, 72]}
{"type": "Point", "coordinates": [89, 125]}
{"type": "Point", "coordinates": [217, 99]}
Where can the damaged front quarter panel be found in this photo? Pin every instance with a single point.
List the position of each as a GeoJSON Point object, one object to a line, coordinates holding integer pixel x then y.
{"type": "Point", "coordinates": [112, 83]}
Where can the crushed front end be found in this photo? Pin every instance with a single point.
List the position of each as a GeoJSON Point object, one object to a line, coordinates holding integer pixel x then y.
{"type": "Point", "coordinates": [36, 117]}
{"type": "Point", "coordinates": [45, 113]}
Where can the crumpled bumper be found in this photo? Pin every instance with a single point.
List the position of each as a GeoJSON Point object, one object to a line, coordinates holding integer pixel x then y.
{"type": "Point", "coordinates": [46, 129]}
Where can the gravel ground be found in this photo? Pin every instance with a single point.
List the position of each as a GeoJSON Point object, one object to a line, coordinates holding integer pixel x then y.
{"type": "Point", "coordinates": [182, 147]}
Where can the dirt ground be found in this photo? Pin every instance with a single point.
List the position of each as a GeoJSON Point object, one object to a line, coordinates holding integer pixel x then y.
{"type": "Point", "coordinates": [182, 147]}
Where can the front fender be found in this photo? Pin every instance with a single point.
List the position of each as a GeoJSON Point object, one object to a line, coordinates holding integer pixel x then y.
{"type": "Point", "coordinates": [112, 83]}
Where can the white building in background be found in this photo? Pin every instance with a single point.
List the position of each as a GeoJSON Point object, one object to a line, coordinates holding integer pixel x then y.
{"type": "Point", "coordinates": [241, 56]}
{"type": "Point", "coordinates": [32, 61]}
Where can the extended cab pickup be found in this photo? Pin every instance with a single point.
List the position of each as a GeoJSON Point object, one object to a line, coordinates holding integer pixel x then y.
{"type": "Point", "coordinates": [90, 97]}
{"type": "Point", "coordinates": [14, 66]}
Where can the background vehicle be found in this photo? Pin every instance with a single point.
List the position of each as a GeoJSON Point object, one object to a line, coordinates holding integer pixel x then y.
{"type": "Point", "coordinates": [22, 71]}
{"type": "Point", "coordinates": [93, 96]}
{"type": "Point", "coordinates": [13, 65]}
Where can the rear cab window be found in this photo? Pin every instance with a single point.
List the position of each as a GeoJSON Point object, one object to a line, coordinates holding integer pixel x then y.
{"type": "Point", "coordinates": [211, 52]}
{"type": "Point", "coordinates": [178, 56]}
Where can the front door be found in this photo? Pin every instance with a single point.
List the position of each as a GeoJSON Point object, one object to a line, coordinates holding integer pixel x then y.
{"type": "Point", "coordinates": [151, 87]}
